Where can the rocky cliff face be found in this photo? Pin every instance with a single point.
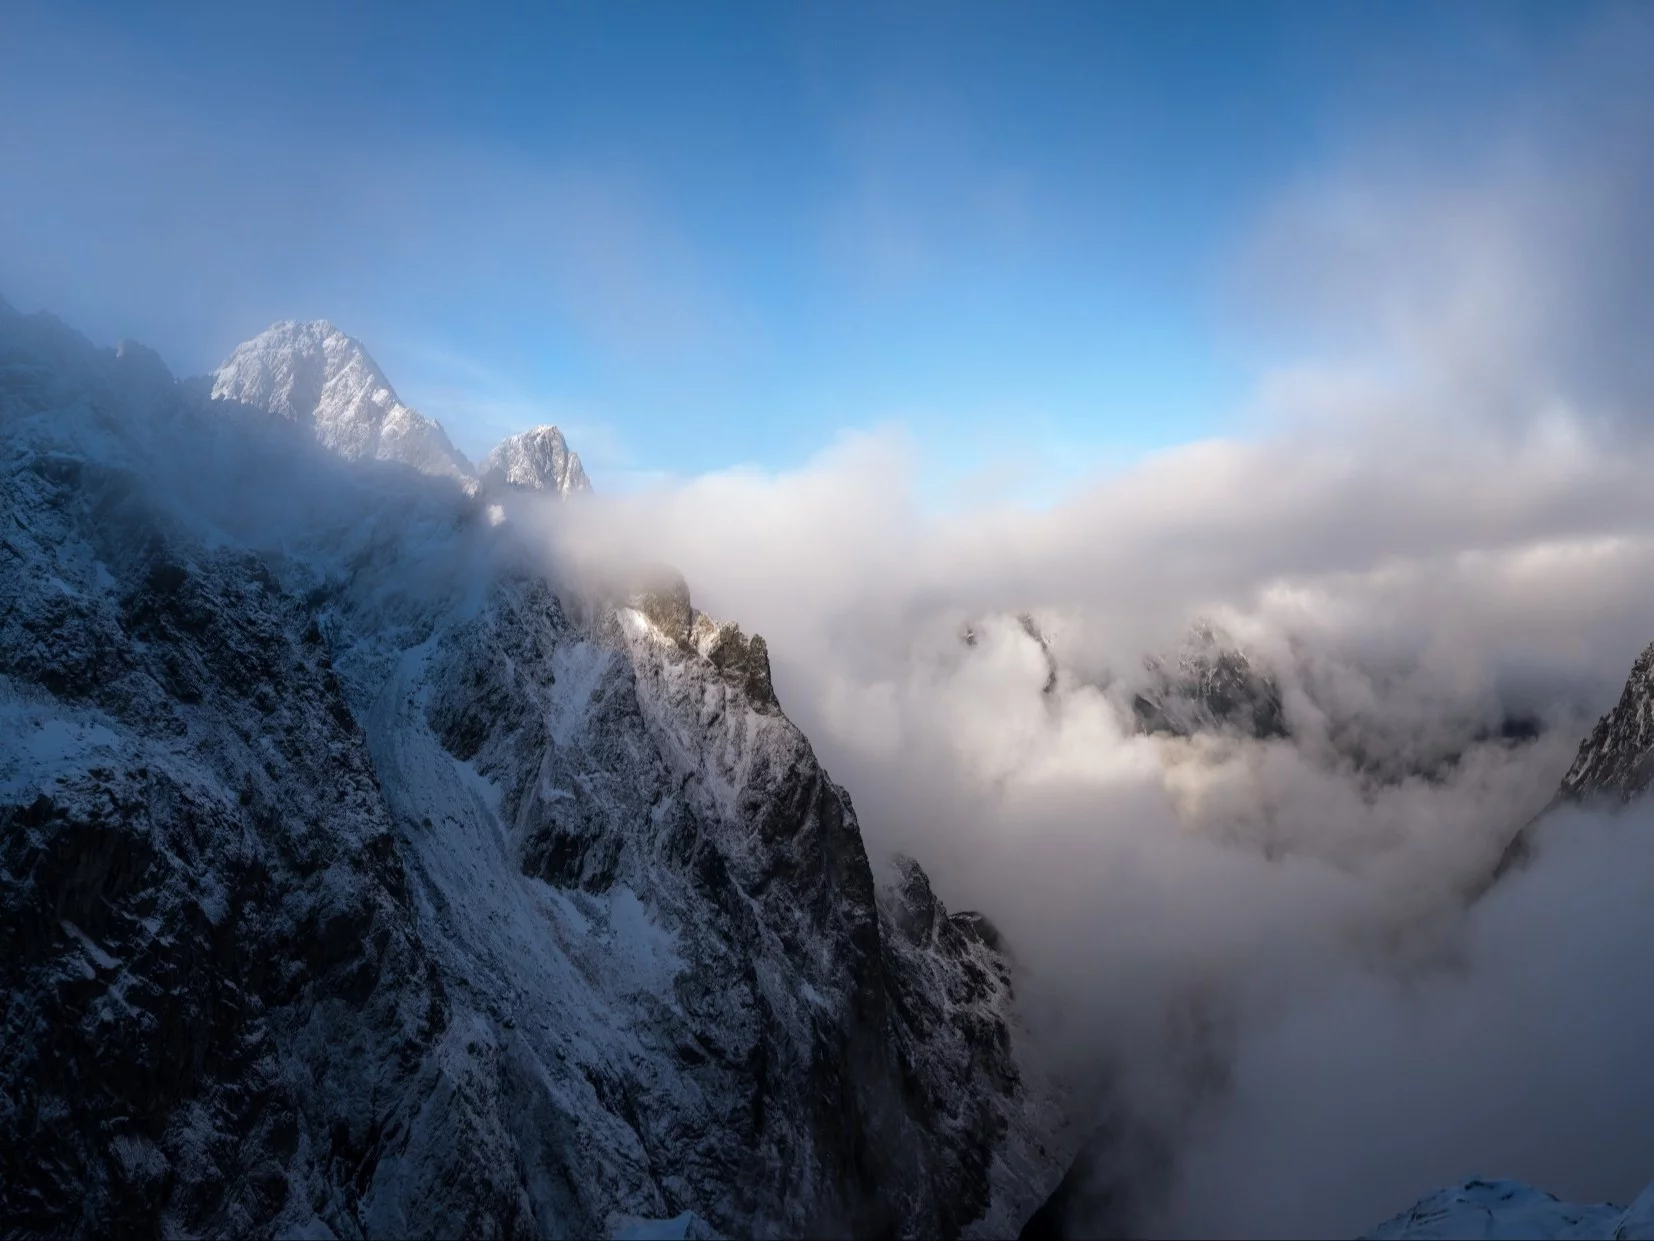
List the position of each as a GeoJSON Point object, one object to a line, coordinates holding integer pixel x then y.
{"type": "Point", "coordinates": [360, 877]}
{"type": "Point", "coordinates": [1614, 764]}
{"type": "Point", "coordinates": [1617, 759]}
{"type": "Point", "coordinates": [1209, 685]}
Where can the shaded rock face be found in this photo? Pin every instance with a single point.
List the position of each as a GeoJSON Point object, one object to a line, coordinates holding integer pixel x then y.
{"type": "Point", "coordinates": [1614, 764]}
{"type": "Point", "coordinates": [1111, 1189]}
{"type": "Point", "coordinates": [374, 883]}
{"type": "Point", "coordinates": [1209, 686]}
{"type": "Point", "coordinates": [743, 660]}
{"type": "Point", "coordinates": [1032, 629]}
{"type": "Point", "coordinates": [199, 884]}
{"type": "Point", "coordinates": [663, 598]}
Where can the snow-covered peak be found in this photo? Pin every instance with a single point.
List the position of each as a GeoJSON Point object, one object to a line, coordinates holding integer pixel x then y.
{"type": "Point", "coordinates": [1479, 1208]}
{"type": "Point", "coordinates": [316, 375]}
{"type": "Point", "coordinates": [539, 460]}
{"type": "Point", "coordinates": [295, 369]}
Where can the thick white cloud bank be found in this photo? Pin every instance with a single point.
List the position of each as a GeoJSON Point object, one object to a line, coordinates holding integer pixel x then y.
{"type": "Point", "coordinates": [1264, 951]}
{"type": "Point", "coordinates": [1256, 946]}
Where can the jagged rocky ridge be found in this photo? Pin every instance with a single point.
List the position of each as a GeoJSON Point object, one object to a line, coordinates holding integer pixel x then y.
{"type": "Point", "coordinates": [1614, 764]}
{"type": "Point", "coordinates": [359, 878]}
{"type": "Point", "coordinates": [1208, 685]}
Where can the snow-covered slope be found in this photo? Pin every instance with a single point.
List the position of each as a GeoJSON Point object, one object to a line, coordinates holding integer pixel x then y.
{"type": "Point", "coordinates": [322, 379]}
{"type": "Point", "coordinates": [537, 460]}
{"type": "Point", "coordinates": [1511, 1210]}
{"type": "Point", "coordinates": [359, 876]}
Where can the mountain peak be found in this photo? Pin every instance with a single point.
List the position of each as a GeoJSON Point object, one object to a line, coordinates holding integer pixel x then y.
{"type": "Point", "coordinates": [1614, 764]}
{"type": "Point", "coordinates": [1207, 684]}
{"type": "Point", "coordinates": [1617, 759]}
{"type": "Point", "coordinates": [314, 374]}
{"type": "Point", "coordinates": [537, 460]}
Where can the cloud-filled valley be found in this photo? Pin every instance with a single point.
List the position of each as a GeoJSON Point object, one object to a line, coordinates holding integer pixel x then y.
{"type": "Point", "coordinates": [1441, 548]}
{"type": "Point", "coordinates": [1443, 634]}
{"type": "Point", "coordinates": [564, 874]}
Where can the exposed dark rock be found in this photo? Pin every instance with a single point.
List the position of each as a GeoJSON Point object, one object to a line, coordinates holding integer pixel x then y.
{"type": "Point", "coordinates": [1209, 686]}
{"type": "Point", "coordinates": [1615, 764]}
{"type": "Point", "coordinates": [1112, 1188]}
{"type": "Point", "coordinates": [745, 661]}
{"type": "Point", "coordinates": [664, 599]}
{"type": "Point", "coordinates": [380, 891]}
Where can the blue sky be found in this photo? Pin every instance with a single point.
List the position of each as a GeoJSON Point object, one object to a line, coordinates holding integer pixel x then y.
{"type": "Point", "coordinates": [698, 235]}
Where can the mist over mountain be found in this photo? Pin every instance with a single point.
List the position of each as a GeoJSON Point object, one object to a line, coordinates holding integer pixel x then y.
{"type": "Point", "coordinates": [374, 825]}
{"type": "Point", "coordinates": [366, 875]}
{"type": "Point", "coordinates": [1100, 681]}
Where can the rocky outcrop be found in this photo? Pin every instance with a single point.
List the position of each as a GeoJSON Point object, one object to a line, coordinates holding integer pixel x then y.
{"type": "Point", "coordinates": [203, 946]}
{"type": "Point", "coordinates": [743, 660]}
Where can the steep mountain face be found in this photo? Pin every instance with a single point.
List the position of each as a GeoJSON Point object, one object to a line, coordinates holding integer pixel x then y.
{"type": "Point", "coordinates": [322, 379]}
{"type": "Point", "coordinates": [1617, 759]}
{"type": "Point", "coordinates": [1209, 685]}
{"type": "Point", "coordinates": [1479, 1208]}
{"type": "Point", "coordinates": [537, 460]}
{"type": "Point", "coordinates": [1615, 763]}
{"type": "Point", "coordinates": [360, 877]}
